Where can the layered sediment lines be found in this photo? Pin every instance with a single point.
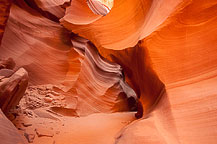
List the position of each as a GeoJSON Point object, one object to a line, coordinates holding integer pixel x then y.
{"type": "Point", "coordinates": [165, 48]}
{"type": "Point", "coordinates": [100, 83]}
{"type": "Point", "coordinates": [51, 55]}
{"type": "Point", "coordinates": [128, 21]}
{"type": "Point", "coordinates": [37, 44]}
{"type": "Point", "coordinates": [181, 53]}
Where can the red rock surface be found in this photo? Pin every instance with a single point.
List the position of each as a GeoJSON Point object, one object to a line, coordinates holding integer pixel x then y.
{"type": "Point", "coordinates": [9, 134]}
{"type": "Point", "coordinates": [12, 88]}
{"type": "Point", "coordinates": [161, 53]}
{"type": "Point", "coordinates": [4, 13]}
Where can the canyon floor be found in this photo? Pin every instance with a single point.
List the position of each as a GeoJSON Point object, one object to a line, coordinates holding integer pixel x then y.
{"type": "Point", "coordinates": [41, 117]}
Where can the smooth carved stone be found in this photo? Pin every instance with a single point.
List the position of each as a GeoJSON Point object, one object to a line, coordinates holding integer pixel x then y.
{"type": "Point", "coordinates": [46, 70]}
{"type": "Point", "coordinates": [12, 89]}
{"type": "Point", "coordinates": [98, 7]}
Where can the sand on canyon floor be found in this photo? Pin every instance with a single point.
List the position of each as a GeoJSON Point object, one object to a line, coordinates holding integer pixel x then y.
{"type": "Point", "coordinates": [42, 117]}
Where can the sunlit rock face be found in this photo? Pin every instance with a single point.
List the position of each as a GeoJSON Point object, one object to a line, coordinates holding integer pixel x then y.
{"type": "Point", "coordinates": [161, 53]}
{"type": "Point", "coordinates": [181, 53]}
{"type": "Point", "coordinates": [100, 7]}
{"type": "Point", "coordinates": [128, 21]}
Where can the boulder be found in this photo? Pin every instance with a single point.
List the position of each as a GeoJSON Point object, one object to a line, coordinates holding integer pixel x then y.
{"type": "Point", "coordinates": [12, 89]}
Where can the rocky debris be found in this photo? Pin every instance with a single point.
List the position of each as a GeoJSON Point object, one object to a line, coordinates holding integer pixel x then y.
{"type": "Point", "coordinates": [12, 87]}
{"type": "Point", "coordinates": [28, 113]}
{"type": "Point", "coordinates": [43, 107]}
{"type": "Point", "coordinates": [42, 96]}
{"type": "Point", "coordinates": [48, 99]}
{"type": "Point", "coordinates": [44, 132]}
{"type": "Point", "coordinates": [49, 95]}
{"type": "Point", "coordinates": [26, 124]}
{"type": "Point", "coordinates": [33, 102]}
{"type": "Point", "coordinates": [53, 93]}
{"type": "Point", "coordinates": [29, 137]}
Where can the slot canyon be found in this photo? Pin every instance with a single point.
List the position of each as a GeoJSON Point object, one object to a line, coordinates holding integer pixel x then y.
{"type": "Point", "coordinates": [108, 71]}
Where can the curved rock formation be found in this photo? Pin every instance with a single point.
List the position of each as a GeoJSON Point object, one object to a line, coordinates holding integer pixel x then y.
{"type": "Point", "coordinates": [128, 22]}
{"type": "Point", "coordinates": [37, 46]}
{"type": "Point", "coordinates": [100, 7]}
{"type": "Point", "coordinates": [96, 84]}
{"type": "Point", "coordinates": [159, 52]}
{"type": "Point", "coordinates": [181, 53]}
{"type": "Point", "coordinates": [104, 81]}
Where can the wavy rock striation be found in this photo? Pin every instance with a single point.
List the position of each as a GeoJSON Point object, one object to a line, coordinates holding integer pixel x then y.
{"type": "Point", "coordinates": [178, 48]}
{"type": "Point", "coordinates": [51, 55]}
{"type": "Point", "coordinates": [165, 50]}
{"type": "Point", "coordinates": [36, 43]}
{"type": "Point", "coordinates": [100, 83]}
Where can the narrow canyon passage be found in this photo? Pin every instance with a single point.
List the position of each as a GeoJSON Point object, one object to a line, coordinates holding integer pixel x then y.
{"type": "Point", "coordinates": [108, 71]}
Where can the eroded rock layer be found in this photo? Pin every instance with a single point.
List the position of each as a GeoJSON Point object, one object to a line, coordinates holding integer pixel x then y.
{"type": "Point", "coordinates": [181, 52]}
{"type": "Point", "coordinates": [52, 55]}
{"type": "Point", "coordinates": [165, 50]}
{"type": "Point", "coordinates": [36, 43]}
{"type": "Point", "coordinates": [107, 90]}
